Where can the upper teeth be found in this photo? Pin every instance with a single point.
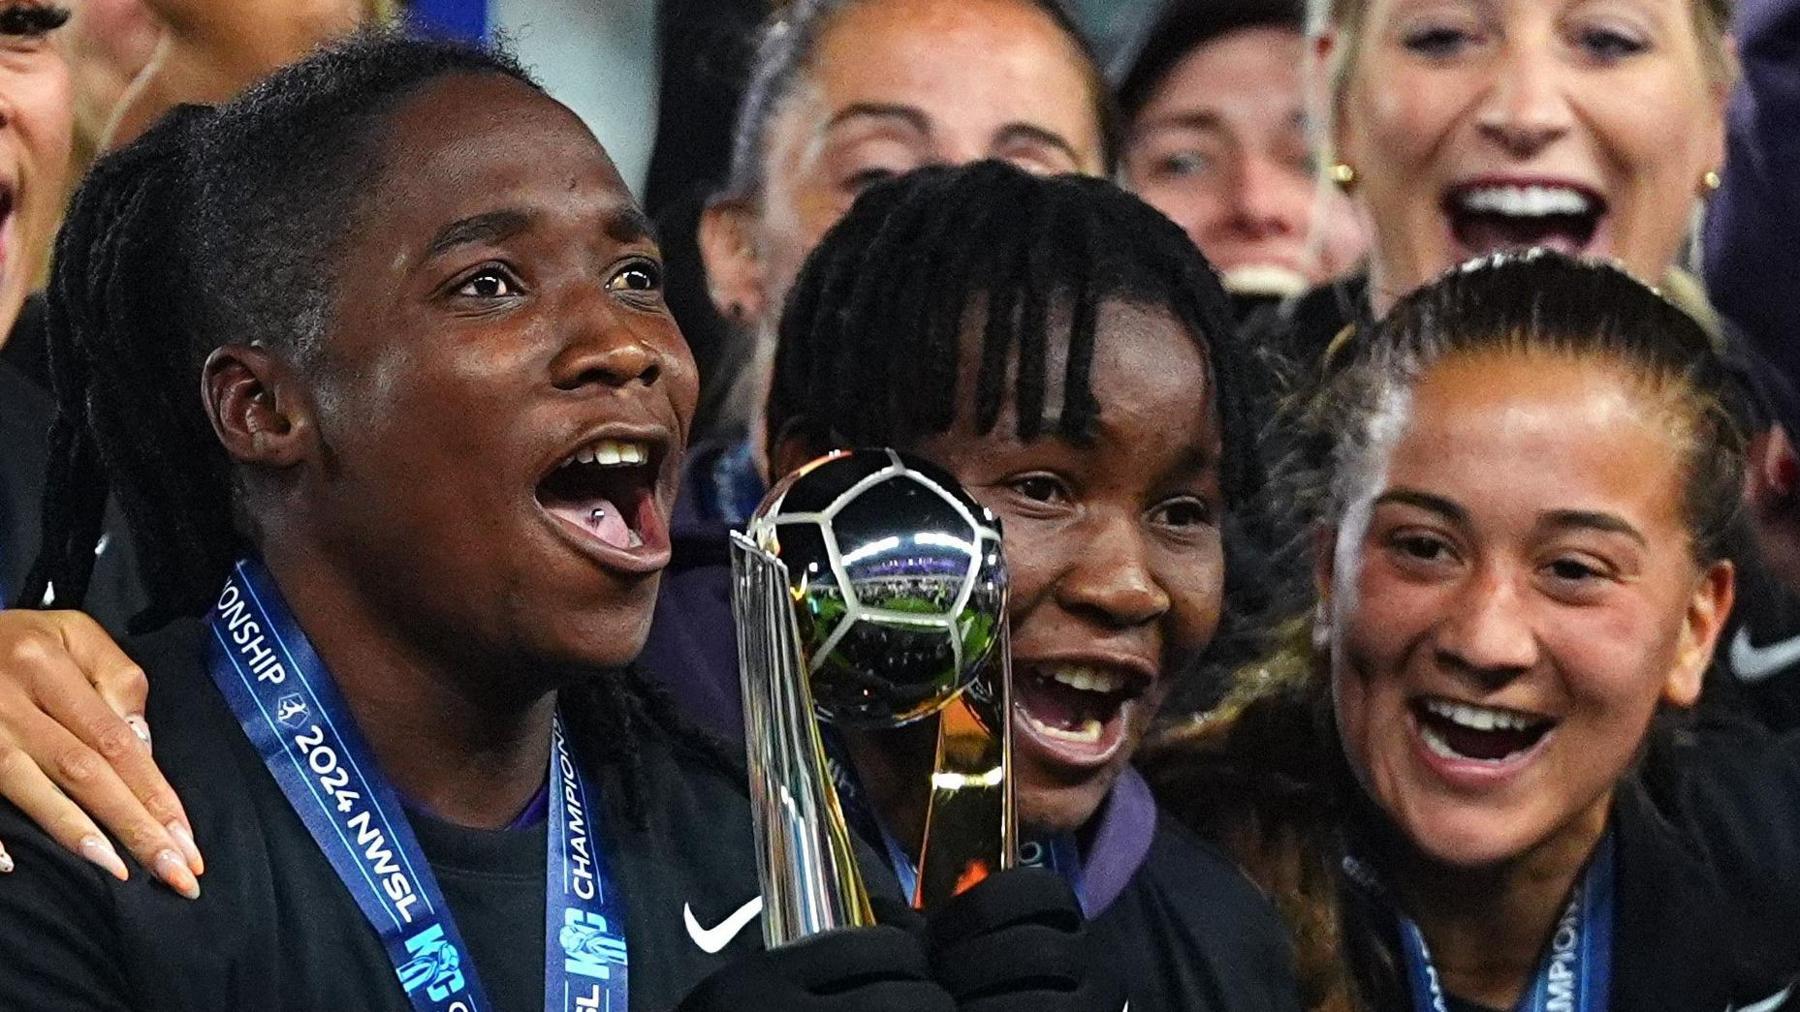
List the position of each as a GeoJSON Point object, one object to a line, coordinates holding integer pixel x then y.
{"type": "Point", "coordinates": [609, 452]}
{"type": "Point", "coordinates": [1481, 718]}
{"type": "Point", "coordinates": [1525, 201]}
{"type": "Point", "coordinates": [1085, 678]}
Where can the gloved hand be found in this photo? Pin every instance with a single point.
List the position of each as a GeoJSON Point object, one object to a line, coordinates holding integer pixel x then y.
{"type": "Point", "coordinates": [1017, 943]}
{"type": "Point", "coordinates": [879, 969]}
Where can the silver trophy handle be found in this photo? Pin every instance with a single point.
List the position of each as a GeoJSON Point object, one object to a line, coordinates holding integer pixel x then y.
{"type": "Point", "coordinates": [810, 879]}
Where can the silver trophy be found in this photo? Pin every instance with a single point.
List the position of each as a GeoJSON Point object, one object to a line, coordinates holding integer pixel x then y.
{"type": "Point", "coordinates": [869, 590]}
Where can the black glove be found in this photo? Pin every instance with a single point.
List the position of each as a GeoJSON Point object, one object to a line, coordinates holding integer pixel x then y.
{"type": "Point", "coordinates": [879, 969]}
{"type": "Point", "coordinates": [1017, 943]}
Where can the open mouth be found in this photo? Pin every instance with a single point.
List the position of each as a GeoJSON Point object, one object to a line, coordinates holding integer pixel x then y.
{"type": "Point", "coordinates": [1487, 734]}
{"type": "Point", "coordinates": [1076, 711]}
{"type": "Point", "coordinates": [1490, 218]}
{"type": "Point", "coordinates": [606, 492]}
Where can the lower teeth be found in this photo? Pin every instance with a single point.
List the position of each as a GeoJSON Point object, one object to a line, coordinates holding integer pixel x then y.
{"type": "Point", "coordinates": [1087, 734]}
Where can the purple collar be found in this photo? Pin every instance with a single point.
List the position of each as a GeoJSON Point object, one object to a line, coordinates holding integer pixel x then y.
{"type": "Point", "coordinates": [1121, 841]}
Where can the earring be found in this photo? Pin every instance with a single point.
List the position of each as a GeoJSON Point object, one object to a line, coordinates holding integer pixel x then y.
{"type": "Point", "coordinates": [1343, 175]}
{"type": "Point", "coordinates": [1710, 181]}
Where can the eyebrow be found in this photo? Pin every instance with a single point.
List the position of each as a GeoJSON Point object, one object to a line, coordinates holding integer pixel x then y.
{"type": "Point", "coordinates": [910, 115]}
{"type": "Point", "coordinates": [489, 227]}
{"type": "Point", "coordinates": [629, 224]}
{"type": "Point", "coordinates": [1192, 119]}
{"type": "Point", "coordinates": [1425, 501]}
{"type": "Point", "coordinates": [1031, 133]}
{"type": "Point", "coordinates": [1611, 523]}
{"type": "Point", "coordinates": [916, 119]}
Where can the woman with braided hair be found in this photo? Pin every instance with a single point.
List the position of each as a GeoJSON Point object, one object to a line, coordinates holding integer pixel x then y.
{"type": "Point", "coordinates": [398, 419]}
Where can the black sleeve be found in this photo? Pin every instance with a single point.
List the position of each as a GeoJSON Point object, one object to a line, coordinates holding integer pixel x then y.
{"type": "Point", "coordinates": [63, 948]}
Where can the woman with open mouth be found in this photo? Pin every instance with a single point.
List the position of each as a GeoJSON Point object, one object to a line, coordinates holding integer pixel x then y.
{"type": "Point", "coordinates": [1469, 785]}
{"type": "Point", "coordinates": [1467, 127]}
{"type": "Point", "coordinates": [1065, 353]}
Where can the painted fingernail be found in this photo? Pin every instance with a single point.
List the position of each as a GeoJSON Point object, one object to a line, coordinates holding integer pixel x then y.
{"type": "Point", "coordinates": [185, 840]}
{"type": "Point", "coordinates": [98, 850]}
{"type": "Point", "coordinates": [140, 727]}
{"type": "Point", "coordinates": [174, 872]}
{"type": "Point", "coordinates": [6, 864]}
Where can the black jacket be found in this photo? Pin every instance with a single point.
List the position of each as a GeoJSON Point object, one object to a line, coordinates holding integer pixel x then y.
{"type": "Point", "coordinates": [1707, 913]}
{"type": "Point", "coordinates": [275, 929]}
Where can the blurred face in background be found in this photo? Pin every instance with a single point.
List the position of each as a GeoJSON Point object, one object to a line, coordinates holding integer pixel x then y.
{"type": "Point", "coordinates": [1221, 147]}
{"type": "Point", "coordinates": [1586, 126]}
{"type": "Point", "coordinates": [896, 85]}
{"type": "Point", "coordinates": [35, 125]}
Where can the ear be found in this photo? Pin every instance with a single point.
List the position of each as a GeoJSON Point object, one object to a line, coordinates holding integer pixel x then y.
{"type": "Point", "coordinates": [1773, 474]}
{"type": "Point", "coordinates": [1322, 102]}
{"type": "Point", "coordinates": [257, 408]}
{"type": "Point", "coordinates": [1706, 613]}
{"type": "Point", "coordinates": [791, 452]}
{"type": "Point", "coordinates": [734, 267]}
{"type": "Point", "coordinates": [1324, 567]}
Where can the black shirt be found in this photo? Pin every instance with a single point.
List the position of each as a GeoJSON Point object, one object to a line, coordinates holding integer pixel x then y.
{"type": "Point", "coordinates": [275, 929]}
{"type": "Point", "coordinates": [26, 410]}
{"type": "Point", "coordinates": [1190, 932]}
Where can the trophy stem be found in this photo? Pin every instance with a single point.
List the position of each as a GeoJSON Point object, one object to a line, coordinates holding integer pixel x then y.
{"type": "Point", "coordinates": [810, 879]}
{"type": "Point", "coordinates": [971, 826]}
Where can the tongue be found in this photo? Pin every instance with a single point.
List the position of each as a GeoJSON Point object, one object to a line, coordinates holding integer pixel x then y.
{"type": "Point", "coordinates": [1489, 745]}
{"type": "Point", "coordinates": [600, 518]}
{"type": "Point", "coordinates": [1564, 233]}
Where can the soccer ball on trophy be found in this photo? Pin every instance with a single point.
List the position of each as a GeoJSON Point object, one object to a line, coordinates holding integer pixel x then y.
{"type": "Point", "coordinates": [896, 581]}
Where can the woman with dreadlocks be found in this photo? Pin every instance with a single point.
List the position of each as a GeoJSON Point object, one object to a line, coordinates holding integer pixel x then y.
{"type": "Point", "coordinates": [1062, 350]}
{"type": "Point", "coordinates": [421, 504]}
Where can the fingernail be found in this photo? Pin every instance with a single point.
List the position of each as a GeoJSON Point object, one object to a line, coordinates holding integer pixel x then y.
{"type": "Point", "coordinates": [140, 727]}
{"type": "Point", "coordinates": [173, 871]}
{"type": "Point", "coordinates": [98, 850]}
{"type": "Point", "coordinates": [6, 864]}
{"type": "Point", "coordinates": [185, 840]}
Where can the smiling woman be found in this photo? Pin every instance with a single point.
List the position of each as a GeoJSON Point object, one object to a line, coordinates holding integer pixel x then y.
{"type": "Point", "coordinates": [1465, 127]}
{"type": "Point", "coordinates": [1520, 565]}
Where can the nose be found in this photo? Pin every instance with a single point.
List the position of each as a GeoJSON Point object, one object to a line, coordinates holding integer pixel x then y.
{"type": "Point", "coordinates": [1527, 107]}
{"type": "Point", "coordinates": [600, 347]}
{"type": "Point", "coordinates": [1488, 633]}
{"type": "Point", "coordinates": [1267, 201]}
{"type": "Point", "coordinates": [1111, 580]}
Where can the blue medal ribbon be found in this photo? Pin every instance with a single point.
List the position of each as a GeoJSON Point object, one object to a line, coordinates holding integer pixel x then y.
{"type": "Point", "coordinates": [1576, 972]}
{"type": "Point", "coordinates": [290, 709]}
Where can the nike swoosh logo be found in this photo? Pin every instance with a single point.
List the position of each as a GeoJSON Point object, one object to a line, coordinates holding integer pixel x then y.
{"type": "Point", "coordinates": [1771, 1003]}
{"type": "Point", "coordinates": [711, 940]}
{"type": "Point", "coordinates": [1751, 663]}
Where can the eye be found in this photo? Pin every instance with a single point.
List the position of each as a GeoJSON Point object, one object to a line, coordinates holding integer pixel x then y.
{"type": "Point", "coordinates": [1438, 41]}
{"type": "Point", "coordinates": [1420, 547]}
{"type": "Point", "coordinates": [1040, 488]}
{"type": "Point", "coordinates": [860, 181]}
{"type": "Point", "coordinates": [1609, 45]}
{"type": "Point", "coordinates": [1184, 512]}
{"type": "Point", "coordinates": [489, 283]}
{"type": "Point", "coordinates": [1574, 570]}
{"type": "Point", "coordinates": [30, 22]}
{"type": "Point", "coordinates": [637, 276]}
{"type": "Point", "coordinates": [1186, 163]}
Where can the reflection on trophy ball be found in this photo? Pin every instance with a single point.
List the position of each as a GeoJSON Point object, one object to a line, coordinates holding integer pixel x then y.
{"type": "Point", "coordinates": [897, 582]}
